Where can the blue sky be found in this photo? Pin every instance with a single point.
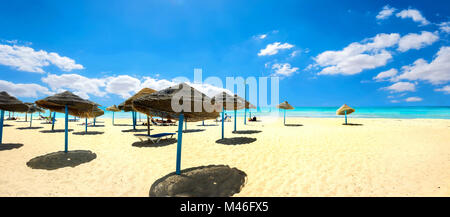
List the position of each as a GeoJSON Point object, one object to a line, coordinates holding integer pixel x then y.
{"type": "Point", "coordinates": [326, 53]}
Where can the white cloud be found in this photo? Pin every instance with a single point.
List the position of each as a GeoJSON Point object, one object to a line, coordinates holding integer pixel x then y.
{"type": "Point", "coordinates": [23, 90]}
{"type": "Point", "coordinates": [394, 101]}
{"type": "Point", "coordinates": [123, 85]}
{"type": "Point", "coordinates": [445, 27]}
{"type": "Point", "coordinates": [284, 69]}
{"type": "Point", "coordinates": [385, 75]}
{"type": "Point", "coordinates": [357, 57]}
{"type": "Point", "coordinates": [445, 89]}
{"type": "Point", "coordinates": [80, 85]}
{"type": "Point", "coordinates": [209, 89]}
{"type": "Point", "coordinates": [262, 36]}
{"type": "Point", "coordinates": [413, 99]}
{"type": "Point", "coordinates": [401, 87]}
{"type": "Point", "coordinates": [27, 59]}
{"type": "Point", "coordinates": [414, 14]}
{"type": "Point", "coordinates": [416, 41]}
{"type": "Point", "coordinates": [272, 49]}
{"type": "Point", "coordinates": [435, 72]}
{"type": "Point", "coordinates": [386, 12]}
{"type": "Point", "coordinates": [294, 53]}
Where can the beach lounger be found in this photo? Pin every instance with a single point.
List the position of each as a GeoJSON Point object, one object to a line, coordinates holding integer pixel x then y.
{"type": "Point", "coordinates": [159, 136]}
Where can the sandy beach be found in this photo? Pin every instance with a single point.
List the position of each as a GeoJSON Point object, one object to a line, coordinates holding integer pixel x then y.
{"type": "Point", "coordinates": [313, 157]}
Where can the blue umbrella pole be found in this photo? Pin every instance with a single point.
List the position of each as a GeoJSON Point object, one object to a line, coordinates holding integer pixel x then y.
{"type": "Point", "coordinates": [345, 117]}
{"type": "Point", "coordinates": [86, 124]}
{"type": "Point", "coordinates": [203, 123]}
{"type": "Point", "coordinates": [94, 121]}
{"type": "Point", "coordinates": [179, 141]}
{"type": "Point", "coordinates": [223, 112]}
{"type": "Point", "coordinates": [31, 118]}
{"type": "Point", "coordinates": [1, 124]}
{"type": "Point", "coordinates": [53, 121]}
{"type": "Point", "coordinates": [134, 120]}
{"type": "Point", "coordinates": [284, 119]}
{"type": "Point", "coordinates": [113, 118]}
{"type": "Point", "coordinates": [235, 112]}
{"type": "Point", "coordinates": [185, 125]}
{"type": "Point", "coordinates": [66, 147]}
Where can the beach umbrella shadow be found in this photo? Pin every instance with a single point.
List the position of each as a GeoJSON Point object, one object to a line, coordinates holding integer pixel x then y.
{"type": "Point", "coordinates": [96, 125]}
{"type": "Point", "coordinates": [150, 144]}
{"type": "Point", "coordinates": [55, 131]}
{"type": "Point", "coordinates": [208, 125]}
{"type": "Point", "coordinates": [28, 128]}
{"type": "Point", "coordinates": [134, 131]}
{"type": "Point", "coordinates": [9, 146]}
{"type": "Point", "coordinates": [88, 133]}
{"type": "Point", "coordinates": [293, 125]}
{"type": "Point", "coordinates": [7, 125]}
{"type": "Point", "coordinates": [246, 131]}
{"type": "Point", "coordinates": [202, 181]}
{"type": "Point", "coordinates": [60, 159]}
{"type": "Point", "coordinates": [123, 125]}
{"type": "Point", "coordinates": [351, 124]}
{"type": "Point", "coordinates": [236, 141]}
{"type": "Point", "coordinates": [193, 130]}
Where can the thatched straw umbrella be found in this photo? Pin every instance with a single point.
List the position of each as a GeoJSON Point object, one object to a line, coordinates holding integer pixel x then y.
{"type": "Point", "coordinates": [345, 110]}
{"type": "Point", "coordinates": [9, 103]}
{"type": "Point", "coordinates": [67, 103]}
{"type": "Point", "coordinates": [285, 106]}
{"type": "Point", "coordinates": [228, 102]}
{"type": "Point", "coordinates": [94, 113]}
{"type": "Point", "coordinates": [33, 109]}
{"type": "Point", "coordinates": [113, 109]}
{"type": "Point", "coordinates": [128, 104]}
{"type": "Point", "coordinates": [195, 106]}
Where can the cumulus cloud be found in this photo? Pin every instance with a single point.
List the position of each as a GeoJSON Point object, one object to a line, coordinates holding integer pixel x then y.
{"type": "Point", "coordinates": [272, 49]}
{"type": "Point", "coordinates": [414, 14]}
{"type": "Point", "coordinates": [284, 69]}
{"type": "Point", "coordinates": [445, 89]}
{"type": "Point", "coordinates": [401, 87]}
{"type": "Point", "coordinates": [80, 85]}
{"type": "Point", "coordinates": [382, 76]}
{"type": "Point", "coordinates": [386, 12]}
{"type": "Point", "coordinates": [445, 27]}
{"type": "Point", "coordinates": [435, 72]}
{"type": "Point", "coordinates": [123, 85]}
{"type": "Point", "coordinates": [23, 90]}
{"type": "Point", "coordinates": [417, 41]}
{"type": "Point", "coordinates": [413, 99]}
{"type": "Point", "coordinates": [356, 57]}
{"type": "Point", "coordinates": [27, 59]}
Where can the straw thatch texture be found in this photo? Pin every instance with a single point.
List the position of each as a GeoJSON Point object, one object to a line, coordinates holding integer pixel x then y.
{"type": "Point", "coordinates": [160, 103]}
{"type": "Point", "coordinates": [33, 108]}
{"type": "Point", "coordinates": [113, 108]}
{"type": "Point", "coordinates": [95, 112]}
{"type": "Point", "coordinates": [343, 108]}
{"type": "Point", "coordinates": [10, 103]}
{"type": "Point", "coordinates": [285, 105]}
{"type": "Point", "coordinates": [127, 106]}
{"type": "Point", "coordinates": [231, 102]}
{"type": "Point", "coordinates": [76, 105]}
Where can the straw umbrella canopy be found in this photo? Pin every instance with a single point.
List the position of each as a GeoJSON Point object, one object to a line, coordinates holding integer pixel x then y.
{"type": "Point", "coordinates": [285, 106]}
{"type": "Point", "coordinates": [228, 102]}
{"type": "Point", "coordinates": [33, 109]}
{"type": "Point", "coordinates": [9, 103]}
{"type": "Point", "coordinates": [345, 110]}
{"type": "Point", "coordinates": [193, 105]}
{"type": "Point", "coordinates": [113, 109]}
{"type": "Point", "coordinates": [68, 103]}
{"type": "Point", "coordinates": [127, 106]}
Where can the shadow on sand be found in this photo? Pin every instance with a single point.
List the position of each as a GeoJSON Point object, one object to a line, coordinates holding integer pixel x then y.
{"type": "Point", "coordinates": [350, 124]}
{"type": "Point", "coordinates": [246, 131]}
{"type": "Point", "coordinates": [123, 125]}
{"type": "Point", "coordinates": [9, 146]}
{"type": "Point", "coordinates": [208, 125]}
{"type": "Point", "coordinates": [28, 128]}
{"type": "Point", "coordinates": [193, 130]}
{"type": "Point", "coordinates": [293, 125]}
{"type": "Point", "coordinates": [150, 144]}
{"type": "Point", "coordinates": [97, 125]}
{"type": "Point", "coordinates": [134, 131]}
{"type": "Point", "coordinates": [61, 159]}
{"type": "Point", "coordinates": [88, 133]}
{"type": "Point", "coordinates": [55, 131]}
{"type": "Point", "coordinates": [7, 125]}
{"type": "Point", "coordinates": [236, 140]}
{"type": "Point", "coordinates": [202, 181]}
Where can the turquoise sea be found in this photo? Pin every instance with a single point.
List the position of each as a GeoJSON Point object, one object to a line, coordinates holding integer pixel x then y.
{"type": "Point", "coordinates": [431, 112]}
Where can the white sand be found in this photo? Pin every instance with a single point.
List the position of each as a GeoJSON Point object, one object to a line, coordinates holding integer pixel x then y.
{"type": "Point", "coordinates": [383, 157]}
